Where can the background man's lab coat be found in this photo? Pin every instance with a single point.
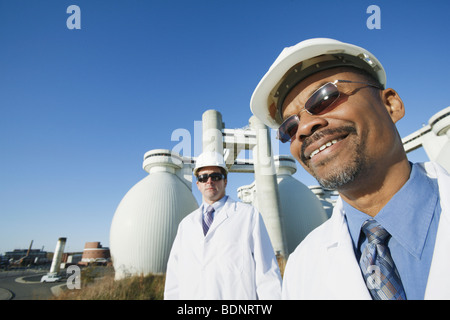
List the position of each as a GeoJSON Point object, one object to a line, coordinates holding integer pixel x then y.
{"type": "Point", "coordinates": [324, 265]}
{"type": "Point", "coordinates": [235, 260]}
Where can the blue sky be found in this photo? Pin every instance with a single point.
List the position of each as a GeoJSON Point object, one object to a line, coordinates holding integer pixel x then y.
{"type": "Point", "coordinates": [79, 108]}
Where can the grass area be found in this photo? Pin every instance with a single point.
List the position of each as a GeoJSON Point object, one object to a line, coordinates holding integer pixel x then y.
{"type": "Point", "coordinates": [150, 287]}
{"type": "Point", "coordinates": [97, 283]}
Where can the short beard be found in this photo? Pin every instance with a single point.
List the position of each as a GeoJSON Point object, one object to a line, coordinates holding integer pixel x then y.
{"type": "Point", "coordinates": [342, 176]}
{"type": "Point", "coordinates": [339, 177]}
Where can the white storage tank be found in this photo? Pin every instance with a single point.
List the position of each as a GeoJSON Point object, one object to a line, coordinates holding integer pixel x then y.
{"type": "Point", "coordinates": [146, 221]}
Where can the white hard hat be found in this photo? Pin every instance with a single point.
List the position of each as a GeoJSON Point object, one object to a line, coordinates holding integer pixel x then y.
{"type": "Point", "coordinates": [210, 159]}
{"type": "Point", "coordinates": [300, 61]}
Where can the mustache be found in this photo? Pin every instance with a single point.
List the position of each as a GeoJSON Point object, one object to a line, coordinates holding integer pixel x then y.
{"type": "Point", "coordinates": [346, 130]}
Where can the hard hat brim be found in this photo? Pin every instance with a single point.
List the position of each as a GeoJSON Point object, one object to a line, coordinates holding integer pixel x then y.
{"type": "Point", "coordinates": [261, 103]}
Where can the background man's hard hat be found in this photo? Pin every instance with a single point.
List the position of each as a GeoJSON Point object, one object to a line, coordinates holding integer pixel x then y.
{"type": "Point", "coordinates": [210, 159]}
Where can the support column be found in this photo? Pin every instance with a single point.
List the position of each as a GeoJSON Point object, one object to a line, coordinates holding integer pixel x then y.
{"type": "Point", "coordinates": [212, 126]}
{"type": "Point", "coordinates": [267, 196]}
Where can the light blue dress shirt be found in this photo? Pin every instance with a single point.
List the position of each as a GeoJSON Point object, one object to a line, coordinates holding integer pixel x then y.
{"type": "Point", "coordinates": [216, 205]}
{"type": "Point", "coordinates": [412, 218]}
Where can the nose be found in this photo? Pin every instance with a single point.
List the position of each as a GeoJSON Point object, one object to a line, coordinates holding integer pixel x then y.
{"type": "Point", "coordinates": [209, 181]}
{"type": "Point", "coordinates": [308, 125]}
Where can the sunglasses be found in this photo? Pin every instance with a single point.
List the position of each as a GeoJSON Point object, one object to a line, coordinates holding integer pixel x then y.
{"type": "Point", "coordinates": [215, 176]}
{"type": "Point", "coordinates": [318, 103]}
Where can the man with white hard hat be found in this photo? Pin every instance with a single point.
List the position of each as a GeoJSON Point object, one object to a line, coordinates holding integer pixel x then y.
{"type": "Point", "coordinates": [389, 234]}
{"type": "Point", "coordinates": [222, 250]}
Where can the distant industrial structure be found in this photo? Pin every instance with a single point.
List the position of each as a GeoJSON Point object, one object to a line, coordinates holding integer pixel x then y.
{"type": "Point", "coordinates": [25, 257]}
{"type": "Point", "coordinates": [94, 253]}
{"type": "Point", "coordinates": [146, 221]}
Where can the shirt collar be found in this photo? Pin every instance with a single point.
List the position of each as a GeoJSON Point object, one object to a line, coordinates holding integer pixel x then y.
{"type": "Point", "coordinates": [407, 216]}
{"type": "Point", "coordinates": [216, 205]}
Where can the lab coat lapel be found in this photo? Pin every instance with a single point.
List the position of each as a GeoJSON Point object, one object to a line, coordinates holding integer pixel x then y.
{"type": "Point", "coordinates": [344, 278]}
{"type": "Point", "coordinates": [438, 286]}
{"type": "Point", "coordinates": [222, 215]}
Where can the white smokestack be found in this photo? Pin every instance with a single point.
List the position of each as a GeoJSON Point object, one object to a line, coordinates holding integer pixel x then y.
{"type": "Point", "coordinates": [56, 262]}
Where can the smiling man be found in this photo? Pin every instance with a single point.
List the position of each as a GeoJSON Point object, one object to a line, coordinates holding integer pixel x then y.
{"type": "Point", "coordinates": [389, 234]}
{"type": "Point", "coordinates": [222, 250]}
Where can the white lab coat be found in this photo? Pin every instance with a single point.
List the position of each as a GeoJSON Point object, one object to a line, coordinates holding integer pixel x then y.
{"type": "Point", "coordinates": [324, 265]}
{"type": "Point", "coordinates": [234, 261]}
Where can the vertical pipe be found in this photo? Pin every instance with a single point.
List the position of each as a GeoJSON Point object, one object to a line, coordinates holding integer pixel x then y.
{"type": "Point", "coordinates": [56, 262]}
{"type": "Point", "coordinates": [212, 127]}
{"type": "Point", "coordinates": [266, 186]}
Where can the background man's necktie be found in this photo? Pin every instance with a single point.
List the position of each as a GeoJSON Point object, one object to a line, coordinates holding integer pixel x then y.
{"type": "Point", "coordinates": [378, 268]}
{"type": "Point", "coordinates": [207, 219]}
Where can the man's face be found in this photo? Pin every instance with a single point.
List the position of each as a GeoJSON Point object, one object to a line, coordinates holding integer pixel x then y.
{"type": "Point", "coordinates": [356, 137]}
{"type": "Point", "coordinates": [212, 191]}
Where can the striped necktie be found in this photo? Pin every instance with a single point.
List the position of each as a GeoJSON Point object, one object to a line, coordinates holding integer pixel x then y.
{"type": "Point", "coordinates": [378, 268]}
{"type": "Point", "coordinates": [207, 219]}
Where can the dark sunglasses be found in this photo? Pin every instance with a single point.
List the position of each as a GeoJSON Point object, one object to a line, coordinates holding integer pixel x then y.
{"type": "Point", "coordinates": [215, 176]}
{"type": "Point", "coordinates": [317, 103]}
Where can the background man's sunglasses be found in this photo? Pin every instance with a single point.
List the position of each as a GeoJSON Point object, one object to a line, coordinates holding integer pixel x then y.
{"type": "Point", "coordinates": [215, 176]}
{"type": "Point", "coordinates": [317, 103]}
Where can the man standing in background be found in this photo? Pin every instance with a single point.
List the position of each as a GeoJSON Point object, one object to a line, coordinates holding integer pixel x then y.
{"type": "Point", "coordinates": [222, 250]}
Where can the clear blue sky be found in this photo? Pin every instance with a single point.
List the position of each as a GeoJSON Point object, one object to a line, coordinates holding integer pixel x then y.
{"type": "Point", "coordinates": [79, 108]}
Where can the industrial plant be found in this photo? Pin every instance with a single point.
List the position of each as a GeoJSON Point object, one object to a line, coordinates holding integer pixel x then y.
{"type": "Point", "coordinates": [93, 254]}
{"type": "Point", "coordinates": [146, 220]}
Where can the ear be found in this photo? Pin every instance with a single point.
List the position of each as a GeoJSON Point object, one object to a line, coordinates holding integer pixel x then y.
{"type": "Point", "coordinates": [393, 103]}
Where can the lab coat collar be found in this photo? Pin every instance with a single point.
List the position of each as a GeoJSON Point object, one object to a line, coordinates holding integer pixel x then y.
{"type": "Point", "coordinates": [438, 280]}
{"type": "Point", "coordinates": [338, 224]}
{"type": "Point", "coordinates": [343, 268]}
{"type": "Point", "coordinates": [227, 210]}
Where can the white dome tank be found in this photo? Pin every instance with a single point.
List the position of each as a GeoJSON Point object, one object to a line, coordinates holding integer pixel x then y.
{"type": "Point", "coordinates": [302, 210]}
{"type": "Point", "coordinates": [145, 222]}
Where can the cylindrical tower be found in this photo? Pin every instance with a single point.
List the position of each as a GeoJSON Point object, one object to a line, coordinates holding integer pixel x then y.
{"type": "Point", "coordinates": [212, 127]}
{"type": "Point", "coordinates": [146, 220]}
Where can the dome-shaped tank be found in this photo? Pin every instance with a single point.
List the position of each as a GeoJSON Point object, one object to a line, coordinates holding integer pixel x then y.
{"type": "Point", "coordinates": [146, 221]}
{"type": "Point", "coordinates": [302, 211]}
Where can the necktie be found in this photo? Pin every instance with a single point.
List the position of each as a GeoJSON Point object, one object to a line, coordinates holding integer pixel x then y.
{"type": "Point", "coordinates": [207, 219]}
{"type": "Point", "coordinates": [378, 268]}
